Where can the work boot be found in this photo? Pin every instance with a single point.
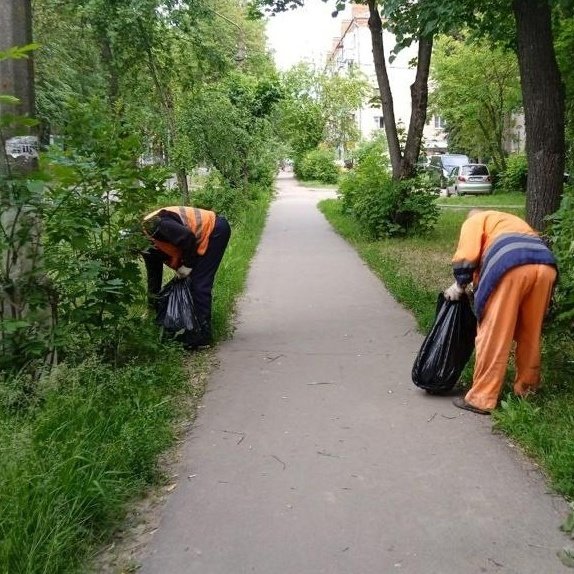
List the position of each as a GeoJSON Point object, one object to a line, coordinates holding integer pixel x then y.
{"type": "Point", "coordinates": [199, 338]}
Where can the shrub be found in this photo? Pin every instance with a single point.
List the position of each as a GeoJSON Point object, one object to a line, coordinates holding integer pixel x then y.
{"type": "Point", "coordinates": [217, 195]}
{"type": "Point", "coordinates": [494, 176]}
{"type": "Point", "coordinates": [386, 208]}
{"type": "Point", "coordinates": [317, 165]}
{"type": "Point", "coordinates": [513, 178]}
{"type": "Point", "coordinates": [563, 247]}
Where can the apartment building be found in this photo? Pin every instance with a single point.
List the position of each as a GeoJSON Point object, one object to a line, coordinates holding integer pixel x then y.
{"type": "Point", "coordinates": [353, 47]}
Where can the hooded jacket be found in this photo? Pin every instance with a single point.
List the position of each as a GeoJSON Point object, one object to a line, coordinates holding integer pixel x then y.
{"type": "Point", "coordinates": [181, 233]}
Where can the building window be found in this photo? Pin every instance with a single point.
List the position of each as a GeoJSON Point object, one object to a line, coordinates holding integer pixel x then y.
{"type": "Point", "coordinates": [379, 123]}
{"type": "Point", "coordinates": [438, 122]}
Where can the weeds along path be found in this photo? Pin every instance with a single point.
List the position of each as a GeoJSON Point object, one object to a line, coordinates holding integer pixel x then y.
{"type": "Point", "coordinates": [314, 452]}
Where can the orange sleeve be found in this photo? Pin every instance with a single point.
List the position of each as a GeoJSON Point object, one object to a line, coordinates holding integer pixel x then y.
{"type": "Point", "coordinates": [466, 260]}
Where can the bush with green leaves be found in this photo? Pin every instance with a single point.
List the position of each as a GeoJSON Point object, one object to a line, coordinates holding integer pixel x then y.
{"type": "Point", "coordinates": [317, 165]}
{"type": "Point", "coordinates": [513, 178]}
{"type": "Point", "coordinates": [387, 208]}
{"type": "Point", "coordinates": [217, 195]}
{"type": "Point", "coordinates": [563, 248]}
{"type": "Point", "coordinates": [95, 200]}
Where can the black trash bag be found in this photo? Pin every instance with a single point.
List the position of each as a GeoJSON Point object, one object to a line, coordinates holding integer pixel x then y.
{"type": "Point", "coordinates": [175, 308]}
{"type": "Point", "coordinates": [447, 348]}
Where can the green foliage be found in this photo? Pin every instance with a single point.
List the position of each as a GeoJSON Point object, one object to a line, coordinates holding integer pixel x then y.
{"type": "Point", "coordinates": [477, 90]}
{"type": "Point", "coordinates": [318, 107]}
{"type": "Point", "coordinates": [513, 178]}
{"type": "Point", "coordinates": [77, 444]}
{"type": "Point", "coordinates": [342, 94]}
{"type": "Point", "coordinates": [317, 165]}
{"type": "Point", "coordinates": [564, 46]}
{"type": "Point", "coordinates": [384, 207]}
{"type": "Point", "coordinates": [563, 248]}
{"type": "Point", "coordinates": [27, 300]}
{"type": "Point", "coordinates": [217, 195]}
{"type": "Point", "coordinates": [89, 442]}
{"type": "Point", "coordinates": [300, 118]}
{"type": "Point", "coordinates": [240, 147]}
{"type": "Point", "coordinates": [96, 199]}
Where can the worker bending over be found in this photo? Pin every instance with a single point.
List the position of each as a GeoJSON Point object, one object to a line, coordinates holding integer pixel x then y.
{"type": "Point", "coordinates": [191, 241]}
{"type": "Point", "coordinates": [513, 275]}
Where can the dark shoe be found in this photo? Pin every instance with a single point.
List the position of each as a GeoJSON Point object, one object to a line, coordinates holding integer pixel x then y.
{"type": "Point", "coordinates": [462, 404]}
{"type": "Point", "coordinates": [200, 339]}
{"type": "Point", "coordinates": [445, 393]}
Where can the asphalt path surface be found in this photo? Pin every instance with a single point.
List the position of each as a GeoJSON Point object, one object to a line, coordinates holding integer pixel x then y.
{"type": "Point", "coordinates": [314, 452]}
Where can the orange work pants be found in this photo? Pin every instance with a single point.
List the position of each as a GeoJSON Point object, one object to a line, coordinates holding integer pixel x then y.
{"type": "Point", "coordinates": [514, 311]}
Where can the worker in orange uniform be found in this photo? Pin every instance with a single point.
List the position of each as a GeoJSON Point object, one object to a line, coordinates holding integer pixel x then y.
{"type": "Point", "coordinates": [192, 242]}
{"type": "Point", "coordinates": [513, 275]}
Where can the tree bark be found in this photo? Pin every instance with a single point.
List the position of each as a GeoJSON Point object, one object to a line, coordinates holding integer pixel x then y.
{"type": "Point", "coordinates": [17, 76]}
{"type": "Point", "coordinates": [543, 97]}
{"type": "Point", "coordinates": [166, 99]}
{"type": "Point", "coordinates": [403, 165]}
{"type": "Point", "coordinates": [376, 28]}
{"type": "Point", "coordinates": [107, 58]}
{"type": "Point", "coordinates": [419, 101]}
{"type": "Point", "coordinates": [21, 277]}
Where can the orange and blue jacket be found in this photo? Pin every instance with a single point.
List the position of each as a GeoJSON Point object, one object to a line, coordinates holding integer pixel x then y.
{"type": "Point", "coordinates": [491, 243]}
{"type": "Point", "coordinates": [199, 222]}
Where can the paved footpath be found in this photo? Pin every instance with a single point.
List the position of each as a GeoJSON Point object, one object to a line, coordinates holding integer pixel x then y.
{"type": "Point", "coordinates": [314, 452]}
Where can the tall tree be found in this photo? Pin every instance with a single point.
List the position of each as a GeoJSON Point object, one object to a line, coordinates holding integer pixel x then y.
{"type": "Point", "coordinates": [526, 25]}
{"type": "Point", "coordinates": [543, 94]}
{"type": "Point", "coordinates": [318, 106]}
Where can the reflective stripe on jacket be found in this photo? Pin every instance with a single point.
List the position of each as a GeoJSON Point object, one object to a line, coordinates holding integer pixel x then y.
{"type": "Point", "coordinates": [199, 221]}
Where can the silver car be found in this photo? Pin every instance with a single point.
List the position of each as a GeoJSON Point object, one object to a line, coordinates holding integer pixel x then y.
{"type": "Point", "coordinates": [472, 178]}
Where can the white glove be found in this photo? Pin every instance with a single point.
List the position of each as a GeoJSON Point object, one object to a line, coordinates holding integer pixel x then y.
{"type": "Point", "coordinates": [183, 271]}
{"type": "Point", "coordinates": [454, 292]}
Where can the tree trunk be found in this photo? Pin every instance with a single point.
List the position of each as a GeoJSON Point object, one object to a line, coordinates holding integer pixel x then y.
{"type": "Point", "coordinates": [419, 101]}
{"type": "Point", "coordinates": [25, 292]}
{"type": "Point", "coordinates": [376, 28]}
{"type": "Point", "coordinates": [181, 175]}
{"type": "Point", "coordinates": [17, 76]}
{"type": "Point", "coordinates": [543, 96]}
{"type": "Point", "coordinates": [107, 59]}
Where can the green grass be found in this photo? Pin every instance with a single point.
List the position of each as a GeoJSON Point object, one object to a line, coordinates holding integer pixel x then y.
{"type": "Point", "coordinates": [496, 200]}
{"type": "Point", "coordinates": [80, 444]}
{"type": "Point", "coordinates": [317, 184]}
{"type": "Point", "coordinates": [414, 270]}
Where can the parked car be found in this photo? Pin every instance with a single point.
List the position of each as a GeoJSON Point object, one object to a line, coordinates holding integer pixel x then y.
{"type": "Point", "coordinates": [472, 178]}
{"type": "Point", "coordinates": [442, 165]}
